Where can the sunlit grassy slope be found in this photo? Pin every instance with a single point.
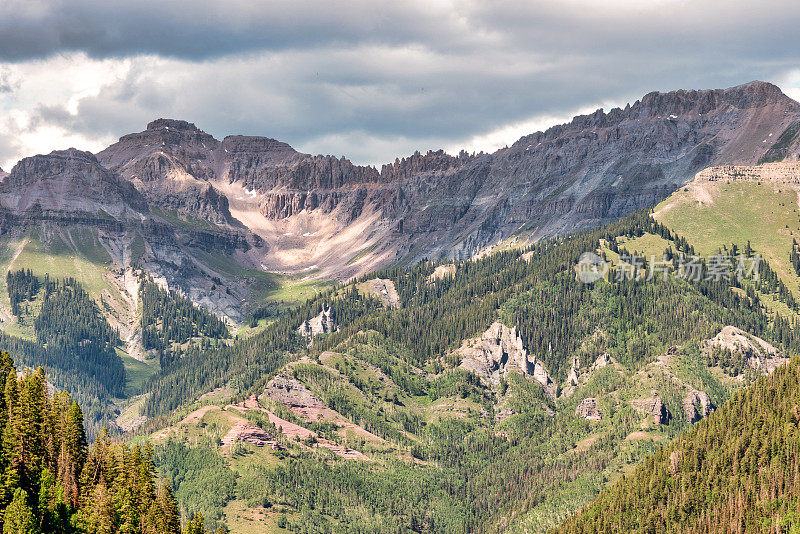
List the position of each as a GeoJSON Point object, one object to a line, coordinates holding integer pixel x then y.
{"type": "Point", "coordinates": [765, 214]}
{"type": "Point", "coordinates": [75, 253]}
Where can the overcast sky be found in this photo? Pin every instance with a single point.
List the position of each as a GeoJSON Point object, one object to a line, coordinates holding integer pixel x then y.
{"type": "Point", "coordinates": [369, 80]}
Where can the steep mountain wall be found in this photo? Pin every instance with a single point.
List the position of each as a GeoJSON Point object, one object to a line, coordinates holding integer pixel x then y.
{"type": "Point", "coordinates": [323, 211]}
{"type": "Point", "coordinates": [267, 206]}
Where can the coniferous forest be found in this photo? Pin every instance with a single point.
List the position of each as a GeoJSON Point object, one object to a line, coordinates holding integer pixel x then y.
{"type": "Point", "coordinates": [466, 473]}
{"type": "Point", "coordinates": [73, 340]}
{"type": "Point", "coordinates": [168, 317]}
{"type": "Point", "coordinates": [453, 481]}
{"type": "Point", "coordinates": [736, 471]}
{"type": "Point", "coordinates": [53, 481]}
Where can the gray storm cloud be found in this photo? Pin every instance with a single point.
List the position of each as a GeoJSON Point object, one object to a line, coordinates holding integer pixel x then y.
{"type": "Point", "coordinates": [375, 80]}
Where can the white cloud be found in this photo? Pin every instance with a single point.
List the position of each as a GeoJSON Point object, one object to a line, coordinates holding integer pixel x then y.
{"type": "Point", "coordinates": [63, 81]}
{"type": "Point", "coordinates": [369, 80]}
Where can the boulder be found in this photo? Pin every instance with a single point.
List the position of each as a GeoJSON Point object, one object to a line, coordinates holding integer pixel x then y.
{"type": "Point", "coordinates": [588, 410]}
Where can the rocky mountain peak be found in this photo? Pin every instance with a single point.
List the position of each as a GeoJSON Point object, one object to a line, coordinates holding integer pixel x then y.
{"type": "Point", "coordinates": [71, 162]}
{"type": "Point", "coordinates": [253, 143]}
{"type": "Point", "coordinates": [251, 150]}
{"type": "Point", "coordinates": [684, 104]}
{"type": "Point", "coordinates": [174, 124]}
{"type": "Point", "coordinates": [432, 161]}
{"type": "Point", "coordinates": [176, 137]}
{"type": "Point", "coordinates": [750, 95]}
{"type": "Point", "coordinates": [676, 103]}
{"type": "Point", "coordinates": [68, 180]}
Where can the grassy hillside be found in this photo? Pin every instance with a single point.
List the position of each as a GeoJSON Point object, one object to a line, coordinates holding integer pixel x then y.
{"type": "Point", "coordinates": [736, 471]}
{"type": "Point", "coordinates": [716, 214]}
{"type": "Point", "coordinates": [388, 432]}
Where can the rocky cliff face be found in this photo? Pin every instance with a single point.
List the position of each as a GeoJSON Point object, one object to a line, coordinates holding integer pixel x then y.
{"type": "Point", "coordinates": [498, 352]}
{"type": "Point", "coordinates": [282, 210]}
{"type": "Point", "coordinates": [171, 164]}
{"type": "Point", "coordinates": [604, 165]}
{"type": "Point", "coordinates": [315, 210]}
{"type": "Point", "coordinates": [69, 181]}
{"type": "Point", "coordinates": [323, 323]}
{"type": "Point", "coordinates": [71, 188]}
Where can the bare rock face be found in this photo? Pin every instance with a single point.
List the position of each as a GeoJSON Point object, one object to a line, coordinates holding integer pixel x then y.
{"type": "Point", "coordinates": [604, 165]}
{"type": "Point", "coordinates": [594, 169]}
{"type": "Point", "coordinates": [653, 406]}
{"type": "Point", "coordinates": [578, 374]}
{"type": "Point", "coordinates": [499, 351]}
{"type": "Point", "coordinates": [171, 163]}
{"type": "Point", "coordinates": [291, 392]}
{"type": "Point", "coordinates": [588, 410]}
{"type": "Point", "coordinates": [659, 412]}
{"type": "Point", "coordinates": [69, 181]}
{"type": "Point", "coordinates": [250, 434]}
{"type": "Point", "coordinates": [572, 377]}
{"type": "Point", "coordinates": [761, 356]}
{"type": "Point", "coordinates": [601, 361]}
{"type": "Point", "coordinates": [442, 271]}
{"type": "Point", "coordinates": [697, 405]}
{"type": "Point", "coordinates": [383, 289]}
{"type": "Point", "coordinates": [321, 324]}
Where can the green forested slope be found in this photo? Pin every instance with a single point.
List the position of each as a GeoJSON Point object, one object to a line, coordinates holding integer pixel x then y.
{"type": "Point", "coordinates": [736, 471]}
{"type": "Point", "coordinates": [166, 317]}
{"type": "Point", "coordinates": [52, 481]}
{"type": "Point", "coordinates": [510, 457]}
{"type": "Point", "coordinates": [72, 339]}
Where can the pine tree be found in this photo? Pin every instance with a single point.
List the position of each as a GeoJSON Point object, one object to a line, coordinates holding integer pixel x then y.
{"type": "Point", "coordinates": [18, 517]}
{"type": "Point", "coordinates": [72, 454]}
{"type": "Point", "coordinates": [196, 526]}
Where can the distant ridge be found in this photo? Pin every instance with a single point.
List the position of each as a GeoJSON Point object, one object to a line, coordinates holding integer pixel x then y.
{"type": "Point", "coordinates": [285, 211]}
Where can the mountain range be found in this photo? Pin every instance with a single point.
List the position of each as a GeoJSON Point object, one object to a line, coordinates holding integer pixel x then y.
{"type": "Point", "coordinates": [279, 210]}
{"type": "Point", "coordinates": [313, 345]}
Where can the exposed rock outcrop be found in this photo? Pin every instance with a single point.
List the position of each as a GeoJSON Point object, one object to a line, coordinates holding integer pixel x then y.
{"type": "Point", "coordinates": [69, 182]}
{"type": "Point", "coordinates": [250, 434]}
{"type": "Point", "coordinates": [588, 410]}
{"type": "Point", "coordinates": [572, 376]}
{"type": "Point", "coordinates": [602, 360]}
{"type": "Point", "coordinates": [499, 351]}
{"type": "Point", "coordinates": [761, 356]}
{"type": "Point", "coordinates": [171, 163]}
{"type": "Point", "coordinates": [697, 405]}
{"type": "Point", "coordinates": [321, 324]}
{"type": "Point", "coordinates": [291, 392]}
{"type": "Point", "coordinates": [653, 406]}
{"type": "Point", "coordinates": [579, 375]}
{"type": "Point", "coordinates": [383, 289]}
{"type": "Point", "coordinates": [442, 271]}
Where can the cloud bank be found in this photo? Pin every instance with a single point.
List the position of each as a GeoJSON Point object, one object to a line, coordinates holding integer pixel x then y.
{"type": "Point", "coordinates": [370, 80]}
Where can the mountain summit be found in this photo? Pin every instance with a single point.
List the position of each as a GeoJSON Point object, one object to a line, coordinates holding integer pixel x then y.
{"type": "Point", "coordinates": [310, 209]}
{"type": "Point", "coordinates": [300, 212]}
